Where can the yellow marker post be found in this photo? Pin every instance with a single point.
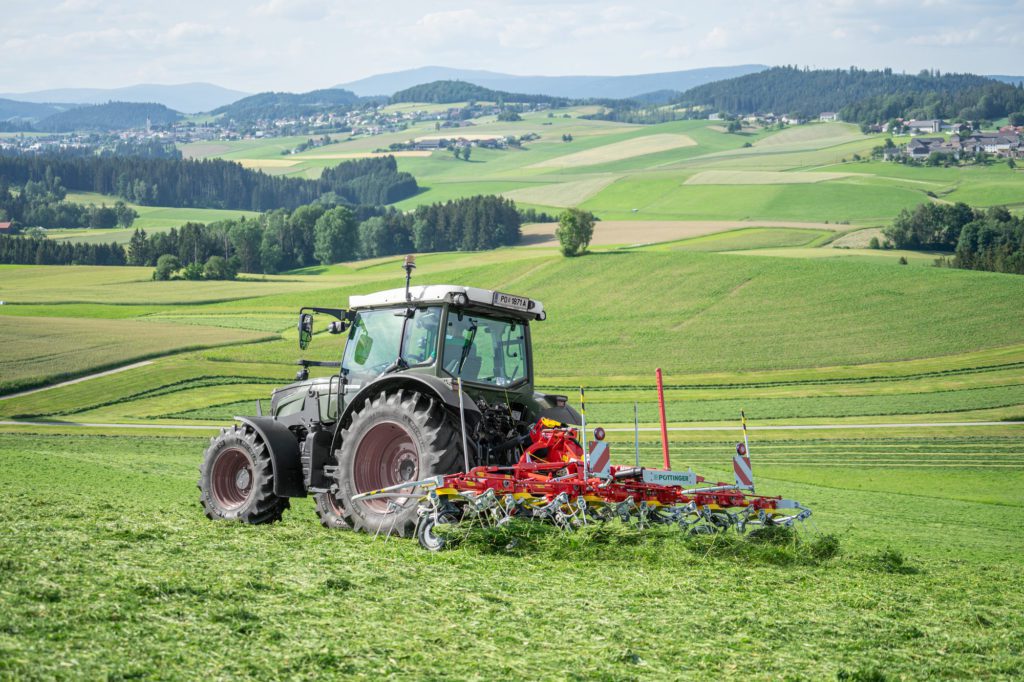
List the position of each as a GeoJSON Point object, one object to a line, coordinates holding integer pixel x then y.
{"type": "Point", "coordinates": [743, 422]}
{"type": "Point", "coordinates": [583, 418]}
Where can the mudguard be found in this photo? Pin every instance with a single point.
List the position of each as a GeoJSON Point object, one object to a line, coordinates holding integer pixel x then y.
{"type": "Point", "coordinates": [285, 454]}
{"type": "Point", "coordinates": [566, 415]}
{"type": "Point", "coordinates": [421, 382]}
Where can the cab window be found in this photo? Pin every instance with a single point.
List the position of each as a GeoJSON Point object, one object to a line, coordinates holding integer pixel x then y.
{"type": "Point", "coordinates": [485, 350]}
{"type": "Point", "coordinates": [373, 339]}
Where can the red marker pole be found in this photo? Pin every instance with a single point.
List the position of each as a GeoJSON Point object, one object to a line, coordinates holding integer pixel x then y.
{"type": "Point", "coordinates": [664, 425]}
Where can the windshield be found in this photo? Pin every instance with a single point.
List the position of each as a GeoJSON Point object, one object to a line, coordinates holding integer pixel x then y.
{"type": "Point", "coordinates": [485, 350]}
{"type": "Point", "coordinates": [373, 338]}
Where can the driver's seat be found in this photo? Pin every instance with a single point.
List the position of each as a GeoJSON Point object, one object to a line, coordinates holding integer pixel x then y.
{"type": "Point", "coordinates": [471, 368]}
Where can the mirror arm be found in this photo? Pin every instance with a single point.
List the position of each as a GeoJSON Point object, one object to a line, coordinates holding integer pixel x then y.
{"type": "Point", "coordinates": [337, 313]}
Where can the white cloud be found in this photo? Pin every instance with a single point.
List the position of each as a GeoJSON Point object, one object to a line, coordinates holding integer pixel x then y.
{"type": "Point", "coordinates": [187, 31]}
{"type": "Point", "coordinates": [715, 39]}
{"type": "Point", "coordinates": [303, 44]}
{"type": "Point", "coordinates": [296, 10]}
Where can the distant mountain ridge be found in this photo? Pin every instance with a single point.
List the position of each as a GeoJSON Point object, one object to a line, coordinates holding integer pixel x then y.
{"type": "Point", "coordinates": [1012, 80]}
{"type": "Point", "coordinates": [575, 87]}
{"type": "Point", "coordinates": [188, 97]}
{"type": "Point", "coordinates": [29, 111]}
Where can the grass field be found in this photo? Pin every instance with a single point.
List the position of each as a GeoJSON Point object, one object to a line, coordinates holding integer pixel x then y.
{"type": "Point", "coordinates": [927, 590]}
{"type": "Point", "coordinates": [677, 171]}
{"type": "Point", "coordinates": [151, 219]}
{"type": "Point", "coordinates": [739, 270]}
{"type": "Point", "coordinates": [741, 332]}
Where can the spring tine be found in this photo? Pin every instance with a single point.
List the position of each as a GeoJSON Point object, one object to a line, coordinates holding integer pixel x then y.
{"type": "Point", "coordinates": [581, 504]}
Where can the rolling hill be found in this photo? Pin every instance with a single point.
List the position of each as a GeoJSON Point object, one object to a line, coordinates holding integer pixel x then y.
{"type": "Point", "coordinates": [12, 110]}
{"type": "Point", "coordinates": [109, 116]}
{"type": "Point", "coordinates": [279, 104]}
{"type": "Point", "coordinates": [447, 92]}
{"type": "Point", "coordinates": [859, 95]}
{"type": "Point", "coordinates": [187, 97]}
{"type": "Point", "coordinates": [576, 87]}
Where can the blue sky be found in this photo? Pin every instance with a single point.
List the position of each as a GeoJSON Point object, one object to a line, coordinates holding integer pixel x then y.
{"type": "Point", "coordinates": [304, 44]}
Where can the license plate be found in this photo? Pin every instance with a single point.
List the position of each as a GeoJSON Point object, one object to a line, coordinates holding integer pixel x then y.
{"type": "Point", "coordinates": [678, 478]}
{"type": "Point", "coordinates": [510, 301]}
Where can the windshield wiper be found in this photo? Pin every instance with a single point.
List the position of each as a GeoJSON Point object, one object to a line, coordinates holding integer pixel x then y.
{"type": "Point", "coordinates": [465, 348]}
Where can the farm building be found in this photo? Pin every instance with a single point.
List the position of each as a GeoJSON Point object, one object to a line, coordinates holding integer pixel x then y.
{"type": "Point", "coordinates": [930, 126]}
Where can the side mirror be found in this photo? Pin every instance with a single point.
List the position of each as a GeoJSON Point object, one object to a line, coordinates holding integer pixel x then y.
{"type": "Point", "coordinates": [305, 330]}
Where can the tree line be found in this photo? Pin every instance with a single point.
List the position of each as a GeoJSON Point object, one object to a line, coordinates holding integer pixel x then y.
{"type": "Point", "coordinates": [991, 239]}
{"type": "Point", "coordinates": [39, 251]}
{"type": "Point", "coordinates": [42, 204]}
{"type": "Point", "coordinates": [281, 240]}
{"type": "Point", "coordinates": [214, 183]}
{"type": "Point", "coordinates": [859, 95]}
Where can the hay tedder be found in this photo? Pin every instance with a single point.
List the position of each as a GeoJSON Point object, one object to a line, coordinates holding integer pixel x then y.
{"type": "Point", "coordinates": [432, 420]}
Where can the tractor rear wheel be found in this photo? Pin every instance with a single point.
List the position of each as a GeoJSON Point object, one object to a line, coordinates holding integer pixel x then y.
{"type": "Point", "coordinates": [330, 511]}
{"type": "Point", "coordinates": [236, 479]}
{"type": "Point", "coordinates": [395, 437]}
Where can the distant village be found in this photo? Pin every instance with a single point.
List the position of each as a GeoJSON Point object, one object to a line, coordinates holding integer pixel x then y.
{"type": "Point", "coordinates": [363, 122]}
{"type": "Point", "coordinates": [1007, 142]}
{"type": "Point", "coordinates": [963, 141]}
{"type": "Point", "coordinates": [930, 139]}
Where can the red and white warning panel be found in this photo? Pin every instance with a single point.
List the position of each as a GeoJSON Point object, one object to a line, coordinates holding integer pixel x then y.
{"type": "Point", "coordinates": [599, 462]}
{"type": "Point", "coordinates": [744, 474]}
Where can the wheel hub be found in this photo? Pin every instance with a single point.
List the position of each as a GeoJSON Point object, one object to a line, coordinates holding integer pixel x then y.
{"type": "Point", "coordinates": [242, 479]}
{"type": "Point", "coordinates": [386, 456]}
{"type": "Point", "coordinates": [232, 478]}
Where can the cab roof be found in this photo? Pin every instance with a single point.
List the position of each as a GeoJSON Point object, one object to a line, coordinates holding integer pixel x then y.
{"type": "Point", "coordinates": [447, 293]}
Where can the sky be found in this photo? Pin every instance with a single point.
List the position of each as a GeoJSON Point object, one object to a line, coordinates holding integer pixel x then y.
{"type": "Point", "coordinates": [299, 45]}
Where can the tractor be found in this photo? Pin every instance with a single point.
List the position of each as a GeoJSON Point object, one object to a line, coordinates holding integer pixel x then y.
{"type": "Point", "coordinates": [432, 380]}
{"type": "Point", "coordinates": [432, 420]}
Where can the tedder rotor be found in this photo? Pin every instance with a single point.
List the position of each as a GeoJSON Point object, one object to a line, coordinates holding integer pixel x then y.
{"type": "Point", "coordinates": [430, 417]}
{"type": "Point", "coordinates": [557, 482]}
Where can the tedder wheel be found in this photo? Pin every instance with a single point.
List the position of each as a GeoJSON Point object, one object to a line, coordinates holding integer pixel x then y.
{"type": "Point", "coordinates": [330, 511]}
{"type": "Point", "coordinates": [426, 526]}
{"type": "Point", "coordinates": [236, 479]}
{"type": "Point", "coordinates": [395, 437]}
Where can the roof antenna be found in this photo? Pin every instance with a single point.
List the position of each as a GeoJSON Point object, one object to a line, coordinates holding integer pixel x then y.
{"type": "Point", "coordinates": [409, 265]}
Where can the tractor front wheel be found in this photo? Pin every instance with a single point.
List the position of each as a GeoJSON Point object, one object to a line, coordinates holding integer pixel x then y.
{"type": "Point", "coordinates": [394, 438]}
{"type": "Point", "coordinates": [236, 480]}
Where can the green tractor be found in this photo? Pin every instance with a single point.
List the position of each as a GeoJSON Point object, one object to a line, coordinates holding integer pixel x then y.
{"type": "Point", "coordinates": [432, 380]}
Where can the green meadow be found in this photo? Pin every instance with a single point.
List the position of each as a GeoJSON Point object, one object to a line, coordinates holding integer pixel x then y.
{"type": "Point", "coordinates": [911, 571]}
{"type": "Point", "coordinates": [677, 171]}
{"type": "Point", "coordinates": [734, 262]}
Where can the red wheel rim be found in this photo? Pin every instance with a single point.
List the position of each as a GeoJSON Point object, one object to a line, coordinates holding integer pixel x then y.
{"type": "Point", "coordinates": [333, 505]}
{"type": "Point", "coordinates": [386, 456]}
{"type": "Point", "coordinates": [232, 478]}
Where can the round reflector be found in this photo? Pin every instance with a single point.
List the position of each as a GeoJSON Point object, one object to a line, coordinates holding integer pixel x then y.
{"type": "Point", "coordinates": [599, 433]}
{"type": "Point", "coordinates": [741, 449]}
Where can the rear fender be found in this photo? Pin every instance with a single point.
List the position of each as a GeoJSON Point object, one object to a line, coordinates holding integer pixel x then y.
{"type": "Point", "coordinates": [430, 385]}
{"type": "Point", "coordinates": [285, 454]}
